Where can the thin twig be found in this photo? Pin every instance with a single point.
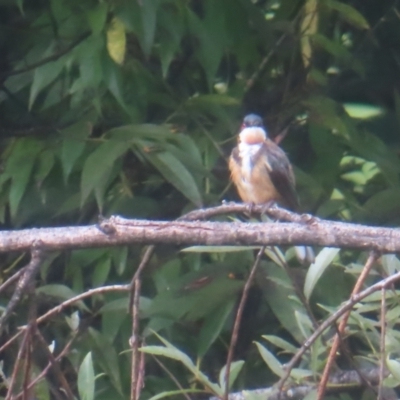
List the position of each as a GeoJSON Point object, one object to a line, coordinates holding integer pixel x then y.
{"type": "Point", "coordinates": [135, 340]}
{"type": "Point", "coordinates": [67, 303]}
{"type": "Point", "coordinates": [382, 345]}
{"type": "Point", "coordinates": [144, 261]}
{"type": "Point", "coordinates": [54, 364]}
{"type": "Point", "coordinates": [17, 363]}
{"type": "Point", "coordinates": [171, 375]}
{"type": "Point", "coordinates": [238, 320]}
{"type": "Point", "coordinates": [348, 305]}
{"type": "Point", "coordinates": [342, 325]}
{"type": "Point", "coordinates": [46, 369]}
{"type": "Point", "coordinates": [46, 60]}
{"type": "Point", "coordinates": [12, 279]}
{"type": "Point", "coordinates": [26, 279]}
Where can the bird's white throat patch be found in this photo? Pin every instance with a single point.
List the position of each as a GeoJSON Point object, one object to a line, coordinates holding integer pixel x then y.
{"type": "Point", "coordinates": [247, 153]}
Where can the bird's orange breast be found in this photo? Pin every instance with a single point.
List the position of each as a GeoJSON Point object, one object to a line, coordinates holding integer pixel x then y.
{"type": "Point", "coordinates": [252, 181]}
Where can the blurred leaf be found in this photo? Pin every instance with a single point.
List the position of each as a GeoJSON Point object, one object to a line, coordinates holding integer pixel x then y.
{"type": "Point", "coordinates": [116, 40]}
{"type": "Point", "coordinates": [308, 27]}
{"type": "Point", "coordinates": [272, 362]}
{"type": "Point", "coordinates": [348, 13]}
{"type": "Point", "coordinates": [212, 327]}
{"type": "Point", "coordinates": [45, 74]}
{"type": "Point", "coordinates": [174, 393]}
{"type": "Point", "coordinates": [363, 111]}
{"type": "Point", "coordinates": [176, 174]}
{"type": "Point", "coordinates": [98, 165]}
{"type": "Point", "coordinates": [171, 351]}
{"type": "Point", "coordinates": [394, 368]}
{"type": "Point", "coordinates": [384, 206]}
{"type": "Point", "coordinates": [101, 272]}
{"type": "Point", "coordinates": [149, 17]}
{"type": "Point", "coordinates": [86, 378]}
{"type": "Point", "coordinates": [19, 167]}
{"type": "Point", "coordinates": [61, 291]}
{"type": "Point", "coordinates": [280, 343]}
{"type": "Point", "coordinates": [322, 261]}
{"type": "Point", "coordinates": [339, 51]}
{"type": "Point", "coordinates": [97, 17]}
{"type": "Point", "coordinates": [235, 369]}
{"type": "Point", "coordinates": [107, 358]}
{"type": "Point", "coordinates": [73, 145]}
{"type": "Point", "coordinates": [218, 249]}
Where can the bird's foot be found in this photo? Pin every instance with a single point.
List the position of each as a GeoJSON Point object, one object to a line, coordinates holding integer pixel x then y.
{"type": "Point", "coordinates": [266, 206]}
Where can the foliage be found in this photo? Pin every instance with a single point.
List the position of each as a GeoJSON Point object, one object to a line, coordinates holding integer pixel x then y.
{"type": "Point", "coordinates": [130, 107]}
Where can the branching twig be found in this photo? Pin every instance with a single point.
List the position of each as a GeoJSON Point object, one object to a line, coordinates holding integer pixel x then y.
{"type": "Point", "coordinates": [382, 345]}
{"type": "Point", "coordinates": [135, 341]}
{"type": "Point", "coordinates": [67, 303]}
{"type": "Point", "coordinates": [238, 320]}
{"type": "Point", "coordinates": [29, 274]}
{"type": "Point", "coordinates": [342, 325]}
{"type": "Point", "coordinates": [348, 305]}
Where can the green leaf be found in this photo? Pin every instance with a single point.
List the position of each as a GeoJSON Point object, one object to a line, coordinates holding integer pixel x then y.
{"type": "Point", "coordinates": [45, 165]}
{"type": "Point", "coordinates": [394, 368]}
{"type": "Point", "coordinates": [116, 40]}
{"type": "Point", "coordinates": [272, 362]}
{"type": "Point", "coordinates": [19, 167]}
{"type": "Point", "coordinates": [73, 145]}
{"type": "Point", "coordinates": [107, 358]}
{"type": "Point", "coordinates": [101, 272]}
{"type": "Point", "coordinates": [218, 249]}
{"type": "Point", "coordinates": [280, 343]}
{"type": "Point", "coordinates": [212, 327]}
{"type": "Point", "coordinates": [348, 13]}
{"type": "Point", "coordinates": [45, 74]}
{"type": "Point", "coordinates": [236, 367]}
{"type": "Point", "coordinates": [339, 51]}
{"type": "Point", "coordinates": [174, 393]}
{"type": "Point", "coordinates": [322, 261]}
{"type": "Point", "coordinates": [176, 174]}
{"type": "Point", "coordinates": [149, 14]}
{"type": "Point", "coordinates": [98, 166]}
{"type": "Point", "coordinates": [86, 378]}
{"type": "Point", "coordinates": [97, 17]}
{"type": "Point", "coordinates": [363, 111]}
{"type": "Point", "coordinates": [171, 351]}
{"type": "Point", "coordinates": [61, 291]}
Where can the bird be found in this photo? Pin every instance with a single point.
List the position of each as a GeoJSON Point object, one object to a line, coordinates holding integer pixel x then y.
{"type": "Point", "coordinates": [262, 173]}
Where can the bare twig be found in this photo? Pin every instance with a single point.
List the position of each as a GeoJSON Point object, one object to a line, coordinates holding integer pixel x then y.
{"type": "Point", "coordinates": [348, 305]}
{"type": "Point", "coordinates": [342, 325]}
{"type": "Point", "coordinates": [46, 60]}
{"type": "Point", "coordinates": [238, 320]}
{"type": "Point", "coordinates": [26, 279]}
{"type": "Point", "coordinates": [144, 261]}
{"type": "Point", "coordinates": [21, 351]}
{"type": "Point", "coordinates": [382, 345]}
{"type": "Point", "coordinates": [12, 279]}
{"type": "Point", "coordinates": [135, 341]}
{"type": "Point", "coordinates": [54, 364]}
{"type": "Point", "coordinates": [46, 369]}
{"type": "Point", "coordinates": [56, 310]}
{"type": "Point", "coordinates": [171, 375]}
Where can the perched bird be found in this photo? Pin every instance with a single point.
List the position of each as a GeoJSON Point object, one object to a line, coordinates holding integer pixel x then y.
{"type": "Point", "coordinates": [261, 171]}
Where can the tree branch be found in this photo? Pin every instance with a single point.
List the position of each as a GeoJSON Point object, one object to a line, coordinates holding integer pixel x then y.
{"type": "Point", "coordinates": [303, 230]}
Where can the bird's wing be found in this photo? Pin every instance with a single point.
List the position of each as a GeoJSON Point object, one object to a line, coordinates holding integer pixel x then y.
{"type": "Point", "coordinates": [280, 172]}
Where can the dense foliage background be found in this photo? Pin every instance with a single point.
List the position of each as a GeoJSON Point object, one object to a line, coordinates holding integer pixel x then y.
{"type": "Point", "coordinates": [131, 107]}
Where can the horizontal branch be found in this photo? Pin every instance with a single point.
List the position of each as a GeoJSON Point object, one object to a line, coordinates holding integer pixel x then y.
{"type": "Point", "coordinates": [305, 230]}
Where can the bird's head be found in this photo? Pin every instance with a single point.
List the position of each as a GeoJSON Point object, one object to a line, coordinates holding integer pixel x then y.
{"type": "Point", "coordinates": [252, 130]}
